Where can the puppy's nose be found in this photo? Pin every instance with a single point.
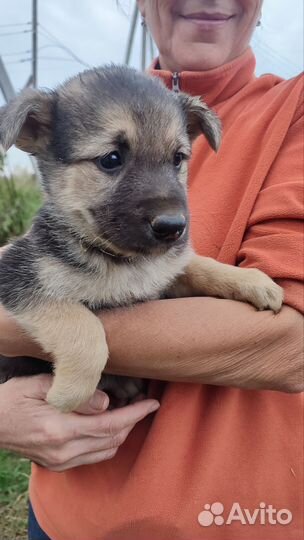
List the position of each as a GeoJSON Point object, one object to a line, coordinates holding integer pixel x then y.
{"type": "Point", "coordinates": [168, 228]}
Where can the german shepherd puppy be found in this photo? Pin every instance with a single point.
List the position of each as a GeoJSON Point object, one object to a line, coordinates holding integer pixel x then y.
{"type": "Point", "coordinates": [112, 147]}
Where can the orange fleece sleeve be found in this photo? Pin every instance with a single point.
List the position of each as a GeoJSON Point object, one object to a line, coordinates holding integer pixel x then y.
{"type": "Point", "coordinates": [274, 239]}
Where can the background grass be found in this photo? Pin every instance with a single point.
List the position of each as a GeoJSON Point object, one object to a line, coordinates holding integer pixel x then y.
{"type": "Point", "coordinates": [14, 476]}
{"type": "Point", "coordinates": [20, 199]}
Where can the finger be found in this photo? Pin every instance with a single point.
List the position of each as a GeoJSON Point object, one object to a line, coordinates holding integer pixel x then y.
{"type": "Point", "coordinates": [111, 422]}
{"type": "Point", "coordinates": [57, 458]}
{"type": "Point", "coordinates": [88, 459]}
{"type": "Point", "coordinates": [98, 403]}
{"type": "Point", "coordinates": [83, 447]}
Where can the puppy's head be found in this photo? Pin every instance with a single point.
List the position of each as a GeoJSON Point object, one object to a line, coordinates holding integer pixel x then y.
{"type": "Point", "coordinates": [112, 145]}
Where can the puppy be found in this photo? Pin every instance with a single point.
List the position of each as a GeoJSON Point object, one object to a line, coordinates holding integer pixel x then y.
{"type": "Point", "coordinates": [112, 147]}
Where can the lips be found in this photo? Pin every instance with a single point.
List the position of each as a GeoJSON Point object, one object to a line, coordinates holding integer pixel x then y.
{"type": "Point", "coordinates": [203, 16]}
{"type": "Point", "coordinates": [212, 23]}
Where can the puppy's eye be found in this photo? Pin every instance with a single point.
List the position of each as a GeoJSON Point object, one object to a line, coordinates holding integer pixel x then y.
{"type": "Point", "coordinates": [110, 161]}
{"type": "Point", "coordinates": [178, 159]}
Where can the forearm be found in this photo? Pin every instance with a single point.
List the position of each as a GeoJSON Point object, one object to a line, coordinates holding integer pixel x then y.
{"type": "Point", "coordinates": [206, 340]}
{"type": "Point", "coordinates": [14, 341]}
{"type": "Point", "coordinates": [203, 340]}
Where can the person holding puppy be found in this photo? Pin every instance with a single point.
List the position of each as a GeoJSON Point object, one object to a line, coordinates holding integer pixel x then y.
{"type": "Point", "coordinates": [232, 436]}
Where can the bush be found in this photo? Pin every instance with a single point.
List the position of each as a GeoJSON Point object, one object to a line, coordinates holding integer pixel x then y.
{"type": "Point", "coordinates": [20, 198]}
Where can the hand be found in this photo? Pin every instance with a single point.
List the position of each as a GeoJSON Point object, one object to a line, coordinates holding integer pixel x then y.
{"type": "Point", "coordinates": [57, 441]}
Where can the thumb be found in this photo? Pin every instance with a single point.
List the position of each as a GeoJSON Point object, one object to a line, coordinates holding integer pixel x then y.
{"type": "Point", "coordinates": [98, 403]}
{"type": "Point", "coordinates": [38, 386]}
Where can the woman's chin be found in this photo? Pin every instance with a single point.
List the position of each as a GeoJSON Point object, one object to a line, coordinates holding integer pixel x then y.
{"type": "Point", "coordinates": [195, 57]}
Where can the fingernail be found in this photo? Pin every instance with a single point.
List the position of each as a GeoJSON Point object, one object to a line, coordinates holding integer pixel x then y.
{"type": "Point", "coordinates": [99, 401]}
{"type": "Point", "coordinates": [154, 407]}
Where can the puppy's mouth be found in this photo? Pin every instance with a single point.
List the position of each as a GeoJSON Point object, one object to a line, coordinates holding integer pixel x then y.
{"type": "Point", "coordinates": [104, 246]}
{"type": "Point", "coordinates": [127, 239]}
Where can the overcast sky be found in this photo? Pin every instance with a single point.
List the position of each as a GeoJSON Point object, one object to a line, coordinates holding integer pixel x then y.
{"type": "Point", "coordinates": [97, 30]}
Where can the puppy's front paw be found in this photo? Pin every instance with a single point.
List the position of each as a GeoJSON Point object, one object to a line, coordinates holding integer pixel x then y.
{"type": "Point", "coordinates": [69, 397]}
{"type": "Point", "coordinates": [259, 290]}
{"type": "Point", "coordinates": [122, 390]}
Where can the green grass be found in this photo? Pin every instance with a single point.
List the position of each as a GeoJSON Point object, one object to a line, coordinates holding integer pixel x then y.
{"type": "Point", "coordinates": [14, 476]}
{"type": "Point", "coordinates": [20, 199]}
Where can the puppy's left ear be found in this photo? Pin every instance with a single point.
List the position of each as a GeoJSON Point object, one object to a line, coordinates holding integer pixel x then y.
{"type": "Point", "coordinates": [200, 119]}
{"type": "Point", "coordinates": [26, 121]}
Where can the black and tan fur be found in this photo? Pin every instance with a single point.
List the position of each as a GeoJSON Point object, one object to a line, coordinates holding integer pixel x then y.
{"type": "Point", "coordinates": [93, 244]}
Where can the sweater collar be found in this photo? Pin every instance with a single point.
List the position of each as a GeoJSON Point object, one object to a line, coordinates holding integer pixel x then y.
{"type": "Point", "coordinates": [215, 85]}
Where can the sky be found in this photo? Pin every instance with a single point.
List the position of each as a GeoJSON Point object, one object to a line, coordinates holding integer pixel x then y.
{"type": "Point", "coordinates": [96, 31]}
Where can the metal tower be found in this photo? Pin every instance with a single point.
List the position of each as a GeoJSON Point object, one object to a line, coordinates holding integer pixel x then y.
{"type": "Point", "coordinates": [147, 49]}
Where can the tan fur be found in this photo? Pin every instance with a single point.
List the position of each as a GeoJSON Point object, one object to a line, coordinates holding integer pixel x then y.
{"type": "Point", "coordinates": [118, 120]}
{"type": "Point", "coordinates": [80, 185]}
{"type": "Point", "coordinates": [71, 333]}
{"type": "Point", "coordinates": [207, 277]}
{"type": "Point", "coordinates": [113, 284]}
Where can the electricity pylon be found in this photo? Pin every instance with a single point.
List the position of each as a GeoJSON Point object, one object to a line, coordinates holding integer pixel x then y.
{"type": "Point", "coordinates": [147, 51]}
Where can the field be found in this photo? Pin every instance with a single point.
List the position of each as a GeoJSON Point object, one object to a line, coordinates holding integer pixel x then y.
{"type": "Point", "coordinates": [19, 200]}
{"type": "Point", "coordinates": [14, 475]}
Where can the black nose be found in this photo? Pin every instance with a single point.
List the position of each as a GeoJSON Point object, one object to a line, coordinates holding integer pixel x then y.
{"type": "Point", "coordinates": [168, 228]}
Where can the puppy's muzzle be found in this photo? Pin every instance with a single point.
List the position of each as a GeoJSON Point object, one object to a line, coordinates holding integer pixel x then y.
{"type": "Point", "coordinates": [168, 228]}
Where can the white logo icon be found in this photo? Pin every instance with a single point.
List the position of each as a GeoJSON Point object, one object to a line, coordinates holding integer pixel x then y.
{"type": "Point", "coordinates": [263, 515]}
{"type": "Point", "coordinates": [212, 514]}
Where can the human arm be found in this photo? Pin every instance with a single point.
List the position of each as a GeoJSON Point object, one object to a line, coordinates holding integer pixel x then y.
{"type": "Point", "coordinates": [210, 341]}
{"type": "Point", "coordinates": [202, 340]}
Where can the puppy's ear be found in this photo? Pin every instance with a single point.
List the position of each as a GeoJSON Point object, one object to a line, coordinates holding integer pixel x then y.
{"type": "Point", "coordinates": [201, 119]}
{"type": "Point", "coordinates": [26, 121]}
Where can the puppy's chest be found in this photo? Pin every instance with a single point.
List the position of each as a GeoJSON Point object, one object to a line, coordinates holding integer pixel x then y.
{"type": "Point", "coordinates": [112, 285]}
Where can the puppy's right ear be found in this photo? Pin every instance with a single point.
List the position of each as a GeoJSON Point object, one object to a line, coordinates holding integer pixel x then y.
{"type": "Point", "coordinates": [26, 121]}
{"type": "Point", "coordinates": [201, 119]}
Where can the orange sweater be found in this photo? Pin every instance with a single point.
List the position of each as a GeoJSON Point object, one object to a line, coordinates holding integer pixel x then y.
{"type": "Point", "coordinates": [240, 449]}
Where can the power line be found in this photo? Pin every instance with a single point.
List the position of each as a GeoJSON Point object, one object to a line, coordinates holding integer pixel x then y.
{"type": "Point", "coordinates": [16, 53]}
{"type": "Point", "coordinates": [14, 24]}
{"type": "Point", "coordinates": [47, 46]}
{"type": "Point", "coordinates": [70, 52]}
{"type": "Point", "coordinates": [34, 41]}
{"type": "Point", "coordinates": [61, 45]}
{"type": "Point", "coordinates": [57, 58]}
{"type": "Point", "coordinates": [22, 61]}
{"type": "Point", "coordinates": [15, 33]}
{"type": "Point", "coordinates": [272, 54]}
